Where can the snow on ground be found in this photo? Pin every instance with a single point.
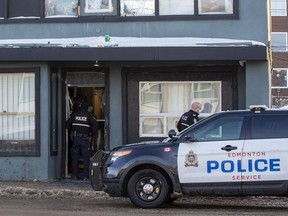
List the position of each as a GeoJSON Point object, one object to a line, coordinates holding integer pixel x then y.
{"type": "Point", "coordinates": [49, 189]}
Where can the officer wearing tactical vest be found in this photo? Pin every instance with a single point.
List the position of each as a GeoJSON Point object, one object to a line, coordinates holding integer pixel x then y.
{"type": "Point", "coordinates": [84, 127]}
{"type": "Point", "coordinates": [190, 117]}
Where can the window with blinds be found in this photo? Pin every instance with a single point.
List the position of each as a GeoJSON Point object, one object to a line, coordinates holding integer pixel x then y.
{"type": "Point", "coordinates": [17, 113]}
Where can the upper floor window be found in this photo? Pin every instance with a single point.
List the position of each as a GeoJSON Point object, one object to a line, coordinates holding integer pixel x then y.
{"type": "Point", "coordinates": [100, 6]}
{"type": "Point", "coordinates": [117, 9]}
{"type": "Point", "coordinates": [279, 8]}
{"type": "Point", "coordinates": [2, 9]}
{"type": "Point", "coordinates": [172, 7]}
{"type": "Point", "coordinates": [279, 41]}
{"type": "Point", "coordinates": [61, 8]}
{"type": "Point", "coordinates": [137, 7]}
{"type": "Point", "coordinates": [215, 6]}
{"type": "Point", "coordinates": [279, 78]}
{"type": "Point", "coordinates": [26, 10]}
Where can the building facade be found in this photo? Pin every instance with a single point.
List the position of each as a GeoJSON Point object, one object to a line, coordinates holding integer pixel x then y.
{"type": "Point", "coordinates": [157, 57]}
{"type": "Point", "coordinates": [279, 53]}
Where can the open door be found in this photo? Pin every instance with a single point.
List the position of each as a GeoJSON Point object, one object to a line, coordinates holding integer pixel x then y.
{"type": "Point", "coordinates": [91, 85]}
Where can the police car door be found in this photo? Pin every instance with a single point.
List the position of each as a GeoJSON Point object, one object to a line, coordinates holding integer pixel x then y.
{"type": "Point", "coordinates": [207, 164]}
{"type": "Point", "coordinates": [265, 160]}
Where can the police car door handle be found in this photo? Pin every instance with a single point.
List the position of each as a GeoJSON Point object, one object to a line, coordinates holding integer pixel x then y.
{"type": "Point", "coordinates": [229, 148]}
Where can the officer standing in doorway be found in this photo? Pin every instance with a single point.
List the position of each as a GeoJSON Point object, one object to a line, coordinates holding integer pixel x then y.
{"type": "Point", "coordinates": [84, 127]}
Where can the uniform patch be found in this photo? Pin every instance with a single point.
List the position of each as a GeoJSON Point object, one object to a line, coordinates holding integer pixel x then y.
{"type": "Point", "coordinates": [81, 118]}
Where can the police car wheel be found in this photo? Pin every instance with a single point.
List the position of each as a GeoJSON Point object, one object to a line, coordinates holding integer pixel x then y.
{"type": "Point", "coordinates": [148, 189]}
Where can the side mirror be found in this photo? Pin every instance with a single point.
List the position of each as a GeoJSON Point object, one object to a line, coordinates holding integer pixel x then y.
{"type": "Point", "coordinates": [190, 138]}
{"type": "Point", "coordinates": [172, 133]}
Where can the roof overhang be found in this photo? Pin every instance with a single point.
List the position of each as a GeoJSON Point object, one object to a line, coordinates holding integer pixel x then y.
{"type": "Point", "coordinates": [131, 49]}
{"type": "Point", "coordinates": [252, 53]}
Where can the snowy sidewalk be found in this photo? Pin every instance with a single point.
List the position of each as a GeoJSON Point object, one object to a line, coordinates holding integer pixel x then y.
{"type": "Point", "coordinates": [57, 188]}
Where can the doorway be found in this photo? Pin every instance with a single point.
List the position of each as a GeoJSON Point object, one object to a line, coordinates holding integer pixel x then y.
{"type": "Point", "coordinates": [90, 85]}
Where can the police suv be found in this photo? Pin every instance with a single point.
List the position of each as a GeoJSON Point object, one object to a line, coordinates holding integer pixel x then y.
{"type": "Point", "coordinates": [228, 153]}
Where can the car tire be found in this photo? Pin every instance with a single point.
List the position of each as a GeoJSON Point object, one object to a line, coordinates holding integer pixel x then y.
{"type": "Point", "coordinates": [148, 189]}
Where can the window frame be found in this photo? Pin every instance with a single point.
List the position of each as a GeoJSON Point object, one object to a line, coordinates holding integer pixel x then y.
{"type": "Point", "coordinates": [36, 153]}
{"type": "Point", "coordinates": [170, 118]}
{"type": "Point", "coordinates": [116, 16]}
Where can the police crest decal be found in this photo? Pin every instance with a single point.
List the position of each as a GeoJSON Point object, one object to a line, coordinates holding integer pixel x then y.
{"type": "Point", "coordinates": [191, 159]}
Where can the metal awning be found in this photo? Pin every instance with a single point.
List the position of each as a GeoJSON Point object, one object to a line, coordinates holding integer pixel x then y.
{"type": "Point", "coordinates": [131, 49]}
{"type": "Point", "coordinates": [135, 54]}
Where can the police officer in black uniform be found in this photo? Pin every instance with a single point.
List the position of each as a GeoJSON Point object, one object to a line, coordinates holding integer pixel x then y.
{"type": "Point", "coordinates": [84, 127]}
{"type": "Point", "coordinates": [190, 117]}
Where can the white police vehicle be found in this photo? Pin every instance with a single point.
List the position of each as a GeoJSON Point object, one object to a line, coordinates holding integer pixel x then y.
{"type": "Point", "coordinates": [229, 153]}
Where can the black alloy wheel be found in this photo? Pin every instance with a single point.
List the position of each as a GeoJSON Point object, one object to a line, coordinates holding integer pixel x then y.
{"type": "Point", "coordinates": [148, 189]}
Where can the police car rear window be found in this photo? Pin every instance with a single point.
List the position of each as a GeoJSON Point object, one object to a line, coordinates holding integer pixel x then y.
{"type": "Point", "coordinates": [269, 126]}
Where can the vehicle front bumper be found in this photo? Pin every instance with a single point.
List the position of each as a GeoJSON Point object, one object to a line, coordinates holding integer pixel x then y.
{"type": "Point", "coordinates": [96, 170]}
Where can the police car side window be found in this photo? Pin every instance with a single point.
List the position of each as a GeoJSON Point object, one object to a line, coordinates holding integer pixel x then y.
{"type": "Point", "coordinates": [269, 126]}
{"type": "Point", "coordinates": [226, 128]}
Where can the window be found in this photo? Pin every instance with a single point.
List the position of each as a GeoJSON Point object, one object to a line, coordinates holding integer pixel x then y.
{"type": "Point", "coordinates": [279, 78]}
{"type": "Point", "coordinates": [279, 87]}
{"type": "Point", "coordinates": [215, 6]}
{"type": "Point", "coordinates": [279, 7]}
{"type": "Point", "coordinates": [269, 126]}
{"type": "Point", "coordinates": [18, 114]}
{"type": "Point", "coordinates": [56, 8]}
{"type": "Point", "coordinates": [2, 9]}
{"type": "Point", "coordinates": [172, 7]}
{"type": "Point", "coordinates": [98, 6]}
{"type": "Point", "coordinates": [279, 41]}
{"type": "Point", "coordinates": [226, 128]}
{"type": "Point", "coordinates": [137, 7]}
{"type": "Point", "coordinates": [27, 8]}
{"type": "Point", "coordinates": [162, 103]}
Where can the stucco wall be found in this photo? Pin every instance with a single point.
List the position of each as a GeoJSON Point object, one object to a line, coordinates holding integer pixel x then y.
{"type": "Point", "coordinates": [115, 93]}
{"type": "Point", "coordinates": [258, 84]}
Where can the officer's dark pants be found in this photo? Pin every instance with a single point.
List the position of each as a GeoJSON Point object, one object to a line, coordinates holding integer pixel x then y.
{"type": "Point", "coordinates": [80, 145]}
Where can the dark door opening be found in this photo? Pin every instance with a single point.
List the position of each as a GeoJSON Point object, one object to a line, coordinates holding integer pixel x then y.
{"type": "Point", "coordinates": [91, 85]}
